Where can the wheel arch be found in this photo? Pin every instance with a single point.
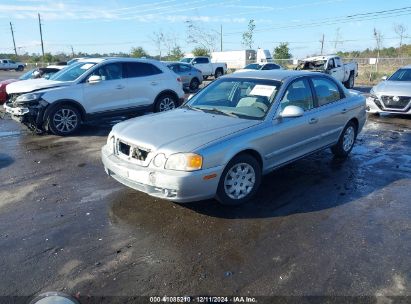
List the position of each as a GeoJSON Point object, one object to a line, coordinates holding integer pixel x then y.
{"type": "Point", "coordinates": [252, 152]}
{"type": "Point", "coordinates": [71, 102]}
{"type": "Point", "coordinates": [164, 92]}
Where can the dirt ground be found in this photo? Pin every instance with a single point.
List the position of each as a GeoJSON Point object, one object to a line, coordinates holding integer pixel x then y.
{"type": "Point", "coordinates": [318, 227]}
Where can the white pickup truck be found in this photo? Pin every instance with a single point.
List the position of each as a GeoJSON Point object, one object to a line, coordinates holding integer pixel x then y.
{"type": "Point", "coordinates": [7, 64]}
{"type": "Point", "coordinates": [208, 68]}
{"type": "Point", "coordinates": [332, 65]}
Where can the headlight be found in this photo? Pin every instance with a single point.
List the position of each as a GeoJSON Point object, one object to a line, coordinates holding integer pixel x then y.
{"type": "Point", "coordinates": [184, 162]}
{"type": "Point", "coordinates": [28, 97]}
{"type": "Point", "coordinates": [111, 142]}
{"type": "Point", "coordinates": [159, 160]}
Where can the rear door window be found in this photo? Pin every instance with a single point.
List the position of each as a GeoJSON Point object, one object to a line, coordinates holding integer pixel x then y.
{"type": "Point", "coordinates": [141, 69]}
{"type": "Point", "coordinates": [326, 90]}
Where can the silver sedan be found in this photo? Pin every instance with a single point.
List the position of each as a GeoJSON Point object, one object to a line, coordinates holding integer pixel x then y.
{"type": "Point", "coordinates": [393, 94]}
{"type": "Point", "coordinates": [190, 76]}
{"type": "Point", "coordinates": [222, 141]}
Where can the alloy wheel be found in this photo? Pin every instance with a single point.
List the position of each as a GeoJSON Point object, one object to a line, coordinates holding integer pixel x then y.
{"type": "Point", "coordinates": [65, 120]}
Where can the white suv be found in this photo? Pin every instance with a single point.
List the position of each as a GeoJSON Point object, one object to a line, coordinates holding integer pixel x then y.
{"type": "Point", "coordinates": [91, 89]}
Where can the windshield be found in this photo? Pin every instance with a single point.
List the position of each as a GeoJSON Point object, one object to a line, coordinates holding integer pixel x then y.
{"type": "Point", "coordinates": [312, 65]}
{"type": "Point", "coordinates": [27, 75]}
{"type": "Point", "coordinates": [188, 59]}
{"type": "Point", "coordinates": [237, 97]}
{"type": "Point", "coordinates": [253, 66]}
{"type": "Point", "coordinates": [401, 75]}
{"type": "Point", "coordinates": [73, 71]}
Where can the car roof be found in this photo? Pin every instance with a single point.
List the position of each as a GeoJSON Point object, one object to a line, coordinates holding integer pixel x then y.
{"type": "Point", "coordinates": [117, 59]}
{"type": "Point", "coordinates": [279, 75]}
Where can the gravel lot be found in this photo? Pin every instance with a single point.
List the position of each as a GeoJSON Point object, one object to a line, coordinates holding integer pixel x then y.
{"type": "Point", "coordinates": [317, 227]}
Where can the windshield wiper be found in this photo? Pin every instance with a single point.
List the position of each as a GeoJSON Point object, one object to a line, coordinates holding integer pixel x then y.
{"type": "Point", "coordinates": [193, 108]}
{"type": "Point", "coordinates": [215, 110]}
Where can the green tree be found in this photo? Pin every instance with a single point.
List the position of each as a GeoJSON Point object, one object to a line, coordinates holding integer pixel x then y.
{"type": "Point", "coordinates": [199, 51]}
{"type": "Point", "coordinates": [248, 36]}
{"type": "Point", "coordinates": [138, 52]}
{"type": "Point", "coordinates": [282, 51]}
{"type": "Point", "coordinates": [175, 54]}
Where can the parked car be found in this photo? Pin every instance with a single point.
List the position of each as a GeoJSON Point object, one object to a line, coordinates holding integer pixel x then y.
{"type": "Point", "coordinates": [190, 76]}
{"type": "Point", "coordinates": [332, 65]}
{"type": "Point", "coordinates": [238, 59]}
{"type": "Point", "coordinates": [92, 89]}
{"type": "Point", "coordinates": [393, 94]}
{"type": "Point", "coordinates": [238, 128]}
{"type": "Point", "coordinates": [32, 74]}
{"type": "Point", "coordinates": [260, 66]}
{"type": "Point", "coordinates": [207, 68]}
{"type": "Point", "coordinates": [7, 64]}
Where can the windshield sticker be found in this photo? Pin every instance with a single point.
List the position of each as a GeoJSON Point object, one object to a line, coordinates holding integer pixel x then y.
{"type": "Point", "coordinates": [263, 90]}
{"type": "Point", "coordinates": [86, 66]}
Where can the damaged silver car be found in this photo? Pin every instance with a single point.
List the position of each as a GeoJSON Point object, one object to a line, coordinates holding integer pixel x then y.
{"type": "Point", "coordinates": [222, 141]}
{"type": "Point", "coordinates": [393, 94]}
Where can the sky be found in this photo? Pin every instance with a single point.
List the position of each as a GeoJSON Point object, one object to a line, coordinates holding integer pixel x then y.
{"type": "Point", "coordinates": [116, 26]}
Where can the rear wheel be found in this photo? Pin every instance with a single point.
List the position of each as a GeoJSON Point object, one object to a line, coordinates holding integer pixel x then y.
{"type": "Point", "coordinates": [349, 84]}
{"type": "Point", "coordinates": [240, 180]}
{"type": "Point", "coordinates": [194, 84]}
{"type": "Point", "coordinates": [218, 73]}
{"type": "Point", "coordinates": [346, 141]}
{"type": "Point", "coordinates": [64, 120]}
{"type": "Point", "coordinates": [20, 68]}
{"type": "Point", "coordinates": [166, 102]}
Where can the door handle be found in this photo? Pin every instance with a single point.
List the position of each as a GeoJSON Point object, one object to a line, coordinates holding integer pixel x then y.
{"type": "Point", "coordinates": [119, 87]}
{"type": "Point", "coordinates": [154, 83]}
{"type": "Point", "coordinates": [313, 120]}
{"type": "Point", "coordinates": [344, 111]}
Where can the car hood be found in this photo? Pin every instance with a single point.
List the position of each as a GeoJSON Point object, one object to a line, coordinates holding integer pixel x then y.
{"type": "Point", "coordinates": [400, 88]}
{"type": "Point", "coordinates": [31, 85]}
{"type": "Point", "coordinates": [7, 81]}
{"type": "Point", "coordinates": [180, 130]}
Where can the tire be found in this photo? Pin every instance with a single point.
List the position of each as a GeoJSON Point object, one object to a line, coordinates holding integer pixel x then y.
{"type": "Point", "coordinates": [166, 102]}
{"type": "Point", "coordinates": [218, 73]}
{"type": "Point", "coordinates": [349, 84]}
{"type": "Point", "coordinates": [20, 68]}
{"type": "Point", "coordinates": [242, 194]}
{"type": "Point", "coordinates": [57, 123]}
{"type": "Point", "coordinates": [194, 84]}
{"type": "Point", "coordinates": [346, 141]}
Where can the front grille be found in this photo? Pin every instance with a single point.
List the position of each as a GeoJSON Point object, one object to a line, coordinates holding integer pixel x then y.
{"type": "Point", "coordinates": [135, 152]}
{"type": "Point", "coordinates": [401, 104]}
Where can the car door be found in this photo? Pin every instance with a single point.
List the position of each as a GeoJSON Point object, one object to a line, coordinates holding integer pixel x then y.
{"type": "Point", "coordinates": [340, 74]}
{"type": "Point", "coordinates": [110, 93]}
{"type": "Point", "coordinates": [204, 65]}
{"type": "Point", "coordinates": [294, 137]}
{"type": "Point", "coordinates": [332, 109]}
{"type": "Point", "coordinates": [145, 82]}
{"type": "Point", "coordinates": [334, 70]}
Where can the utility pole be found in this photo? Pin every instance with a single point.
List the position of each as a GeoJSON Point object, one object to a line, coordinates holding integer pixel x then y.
{"type": "Point", "coordinates": [221, 37]}
{"type": "Point", "coordinates": [72, 51]}
{"type": "Point", "coordinates": [12, 35]}
{"type": "Point", "coordinates": [41, 37]}
{"type": "Point", "coordinates": [322, 44]}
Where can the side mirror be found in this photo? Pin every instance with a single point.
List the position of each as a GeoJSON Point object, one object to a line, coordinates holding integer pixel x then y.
{"type": "Point", "coordinates": [292, 111]}
{"type": "Point", "coordinates": [94, 79]}
{"type": "Point", "coordinates": [384, 78]}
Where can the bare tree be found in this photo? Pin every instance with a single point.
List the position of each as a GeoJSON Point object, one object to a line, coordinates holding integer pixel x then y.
{"type": "Point", "coordinates": [378, 39]}
{"type": "Point", "coordinates": [170, 42]}
{"type": "Point", "coordinates": [400, 30]}
{"type": "Point", "coordinates": [201, 37]}
{"type": "Point", "coordinates": [248, 39]}
{"type": "Point", "coordinates": [158, 39]}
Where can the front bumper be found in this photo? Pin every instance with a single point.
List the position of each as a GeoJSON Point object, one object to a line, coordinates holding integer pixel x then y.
{"type": "Point", "coordinates": [177, 186]}
{"type": "Point", "coordinates": [374, 105]}
{"type": "Point", "coordinates": [31, 115]}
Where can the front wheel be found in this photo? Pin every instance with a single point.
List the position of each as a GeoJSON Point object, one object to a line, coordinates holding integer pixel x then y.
{"type": "Point", "coordinates": [240, 180]}
{"type": "Point", "coordinates": [166, 102]}
{"type": "Point", "coordinates": [346, 141]}
{"type": "Point", "coordinates": [64, 120]}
